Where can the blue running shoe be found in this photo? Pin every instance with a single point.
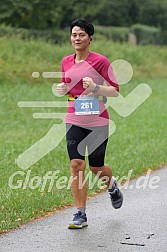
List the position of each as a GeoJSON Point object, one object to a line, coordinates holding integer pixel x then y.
{"type": "Point", "coordinates": [115, 195]}
{"type": "Point", "coordinates": [79, 221]}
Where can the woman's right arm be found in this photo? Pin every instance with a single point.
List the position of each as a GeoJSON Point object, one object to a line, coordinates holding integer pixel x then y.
{"type": "Point", "coordinates": [62, 88]}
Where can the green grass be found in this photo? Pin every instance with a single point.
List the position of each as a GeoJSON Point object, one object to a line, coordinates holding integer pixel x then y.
{"type": "Point", "coordinates": [139, 142]}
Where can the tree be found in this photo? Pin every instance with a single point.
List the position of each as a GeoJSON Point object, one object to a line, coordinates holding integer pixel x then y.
{"type": "Point", "coordinates": [50, 14]}
{"type": "Point", "coordinates": [154, 13]}
{"type": "Point", "coordinates": [37, 14]}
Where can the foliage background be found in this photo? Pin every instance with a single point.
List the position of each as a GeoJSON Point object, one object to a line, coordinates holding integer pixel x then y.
{"type": "Point", "coordinates": [51, 14]}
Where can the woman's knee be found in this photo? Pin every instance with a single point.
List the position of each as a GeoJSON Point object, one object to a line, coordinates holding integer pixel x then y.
{"type": "Point", "coordinates": [77, 165]}
{"type": "Point", "coordinates": [95, 170]}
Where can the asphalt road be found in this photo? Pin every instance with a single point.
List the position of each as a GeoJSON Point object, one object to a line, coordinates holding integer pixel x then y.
{"type": "Point", "coordinates": [140, 225]}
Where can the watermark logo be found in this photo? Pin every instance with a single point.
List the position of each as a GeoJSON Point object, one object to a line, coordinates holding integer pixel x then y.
{"type": "Point", "coordinates": [52, 179]}
{"type": "Point", "coordinates": [124, 106]}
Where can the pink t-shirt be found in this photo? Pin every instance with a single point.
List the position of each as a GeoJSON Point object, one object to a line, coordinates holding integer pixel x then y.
{"type": "Point", "coordinates": [97, 67]}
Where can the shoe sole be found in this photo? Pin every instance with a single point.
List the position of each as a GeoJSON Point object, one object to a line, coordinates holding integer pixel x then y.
{"type": "Point", "coordinates": [73, 226]}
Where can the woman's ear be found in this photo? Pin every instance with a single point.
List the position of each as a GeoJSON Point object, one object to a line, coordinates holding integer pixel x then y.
{"type": "Point", "coordinates": [91, 38]}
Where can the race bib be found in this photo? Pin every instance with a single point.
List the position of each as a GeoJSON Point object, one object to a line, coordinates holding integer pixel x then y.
{"type": "Point", "coordinates": [87, 105]}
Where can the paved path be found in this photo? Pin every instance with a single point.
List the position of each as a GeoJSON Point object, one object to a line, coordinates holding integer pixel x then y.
{"type": "Point", "coordinates": [140, 225]}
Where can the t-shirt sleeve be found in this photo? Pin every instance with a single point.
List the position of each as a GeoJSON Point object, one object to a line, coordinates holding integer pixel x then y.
{"type": "Point", "coordinates": [108, 74]}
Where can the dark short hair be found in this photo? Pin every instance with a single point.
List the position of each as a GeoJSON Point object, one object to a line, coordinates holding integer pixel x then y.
{"type": "Point", "coordinates": [84, 25]}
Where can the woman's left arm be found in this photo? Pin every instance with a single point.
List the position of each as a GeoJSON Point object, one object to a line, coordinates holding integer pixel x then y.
{"type": "Point", "coordinates": [110, 89]}
{"type": "Point", "coordinates": [96, 89]}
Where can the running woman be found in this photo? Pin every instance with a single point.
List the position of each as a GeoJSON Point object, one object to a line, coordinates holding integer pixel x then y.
{"type": "Point", "coordinates": [87, 80]}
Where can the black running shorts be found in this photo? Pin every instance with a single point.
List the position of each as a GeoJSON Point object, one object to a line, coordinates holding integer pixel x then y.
{"type": "Point", "coordinates": [94, 138]}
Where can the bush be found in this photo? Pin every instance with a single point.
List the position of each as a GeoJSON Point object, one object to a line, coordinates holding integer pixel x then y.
{"type": "Point", "coordinates": [117, 34]}
{"type": "Point", "coordinates": [54, 36]}
{"type": "Point", "coordinates": [144, 34]}
{"type": "Point", "coordinates": [164, 37]}
{"type": "Point", "coordinates": [147, 34]}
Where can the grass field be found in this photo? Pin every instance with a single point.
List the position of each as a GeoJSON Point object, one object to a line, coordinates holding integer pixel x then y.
{"type": "Point", "coordinates": [139, 142]}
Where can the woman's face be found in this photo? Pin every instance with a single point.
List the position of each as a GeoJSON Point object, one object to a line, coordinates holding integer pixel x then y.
{"type": "Point", "coordinates": [80, 39]}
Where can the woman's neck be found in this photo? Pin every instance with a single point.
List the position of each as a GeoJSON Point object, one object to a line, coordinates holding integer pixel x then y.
{"type": "Point", "coordinates": [81, 55]}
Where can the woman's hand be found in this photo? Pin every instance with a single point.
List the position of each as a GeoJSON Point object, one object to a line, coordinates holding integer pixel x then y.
{"type": "Point", "coordinates": [88, 83]}
{"type": "Point", "coordinates": [62, 88]}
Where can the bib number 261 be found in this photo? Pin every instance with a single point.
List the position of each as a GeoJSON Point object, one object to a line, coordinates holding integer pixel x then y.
{"type": "Point", "coordinates": [86, 105]}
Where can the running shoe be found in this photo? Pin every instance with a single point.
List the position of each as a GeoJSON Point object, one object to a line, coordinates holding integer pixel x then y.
{"type": "Point", "coordinates": [115, 195]}
{"type": "Point", "coordinates": [79, 221]}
